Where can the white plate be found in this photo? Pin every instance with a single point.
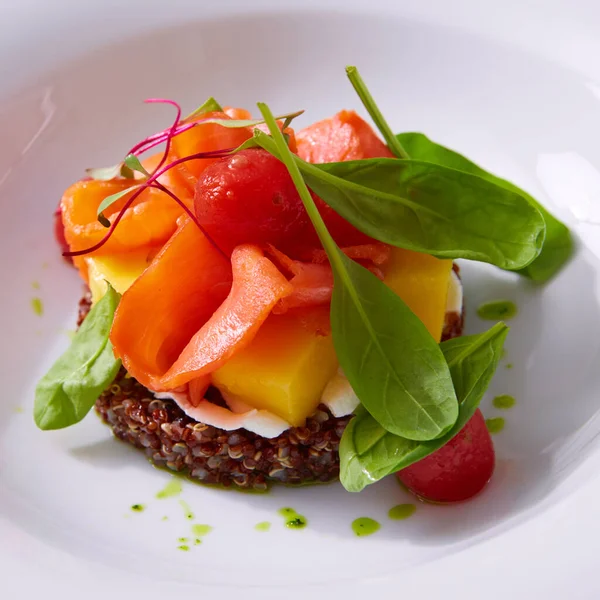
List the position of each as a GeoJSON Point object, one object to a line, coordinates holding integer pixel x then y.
{"type": "Point", "coordinates": [516, 88]}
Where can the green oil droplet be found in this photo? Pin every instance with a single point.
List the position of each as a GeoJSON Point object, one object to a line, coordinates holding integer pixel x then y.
{"type": "Point", "coordinates": [504, 401]}
{"type": "Point", "coordinates": [401, 511]}
{"type": "Point", "coordinates": [200, 530]}
{"type": "Point", "coordinates": [189, 515]}
{"type": "Point", "coordinates": [165, 518]}
{"type": "Point", "coordinates": [173, 488]}
{"type": "Point", "coordinates": [138, 507]}
{"type": "Point", "coordinates": [508, 366]}
{"type": "Point", "coordinates": [495, 425]}
{"type": "Point", "coordinates": [183, 548]}
{"type": "Point", "coordinates": [264, 526]}
{"type": "Point", "coordinates": [18, 409]}
{"type": "Point", "coordinates": [197, 542]}
{"type": "Point", "coordinates": [37, 306]}
{"type": "Point", "coordinates": [35, 285]}
{"type": "Point", "coordinates": [183, 540]}
{"type": "Point", "coordinates": [365, 526]}
{"type": "Point", "coordinates": [293, 520]}
{"type": "Point", "coordinates": [497, 309]}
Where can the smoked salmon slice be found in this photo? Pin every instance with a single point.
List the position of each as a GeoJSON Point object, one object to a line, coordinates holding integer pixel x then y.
{"type": "Point", "coordinates": [345, 136]}
{"type": "Point", "coordinates": [257, 286]}
{"type": "Point", "coordinates": [312, 282]}
{"type": "Point", "coordinates": [192, 309]}
{"type": "Point", "coordinates": [173, 298]}
{"type": "Point", "coordinates": [149, 221]}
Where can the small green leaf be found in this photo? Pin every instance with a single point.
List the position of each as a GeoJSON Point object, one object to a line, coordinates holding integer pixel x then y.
{"type": "Point", "coordinates": [133, 162]}
{"type": "Point", "coordinates": [558, 245]}
{"type": "Point", "coordinates": [238, 123]}
{"type": "Point", "coordinates": [211, 105]}
{"type": "Point", "coordinates": [72, 385]}
{"type": "Point", "coordinates": [109, 200]}
{"type": "Point", "coordinates": [108, 173]}
{"type": "Point", "coordinates": [368, 452]}
{"type": "Point", "coordinates": [394, 365]}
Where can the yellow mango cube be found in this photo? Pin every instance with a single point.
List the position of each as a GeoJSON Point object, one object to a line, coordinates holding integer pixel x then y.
{"type": "Point", "coordinates": [286, 366]}
{"type": "Point", "coordinates": [422, 282]}
{"type": "Point", "coordinates": [120, 270]}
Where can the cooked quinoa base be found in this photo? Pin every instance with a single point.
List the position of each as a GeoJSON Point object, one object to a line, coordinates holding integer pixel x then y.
{"type": "Point", "coordinates": [239, 458]}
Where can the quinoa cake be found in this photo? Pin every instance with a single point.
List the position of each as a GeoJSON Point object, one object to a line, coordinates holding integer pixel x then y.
{"type": "Point", "coordinates": [240, 458]}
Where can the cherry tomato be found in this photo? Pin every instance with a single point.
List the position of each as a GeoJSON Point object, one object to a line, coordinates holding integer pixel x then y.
{"type": "Point", "coordinates": [250, 197]}
{"type": "Point", "coordinates": [457, 471]}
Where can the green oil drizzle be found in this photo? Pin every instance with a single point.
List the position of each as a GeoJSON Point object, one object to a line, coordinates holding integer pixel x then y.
{"type": "Point", "coordinates": [495, 425]}
{"type": "Point", "coordinates": [197, 542]}
{"type": "Point", "coordinates": [183, 540]}
{"type": "Point", "coordinates": [293, 520]}
{"type": "Point", "coordinates": [365, 526]}
{"type": "Point", "coordinates": [183, 548]}
{"type": "Point", "coordinates": [200, 530]}
{"type": "Point", "coordinates": [401, 511]}
{"type": "Point", "coordinates": [504, 401]}
{"type": "Point", "coordinates": [497, 309]}
{"type": "Point", "coordinates": [189, 515]}
{"type": "Point", "coordinates": [37, 306]}
{"type": "Point", "coordinates": [184, 475]}
{"type": "Point", "coordinates": [173, 488]}
{"type": "Point", "coordinates": [264, 526]}
{"type": "Point", "coordinates": [138, 508]}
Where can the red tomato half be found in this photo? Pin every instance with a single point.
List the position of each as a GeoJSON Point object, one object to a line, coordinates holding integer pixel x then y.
{"type": "Point", "coordinates": [457, 471]}
{"type": "Point", "coordinates": [250, 198]}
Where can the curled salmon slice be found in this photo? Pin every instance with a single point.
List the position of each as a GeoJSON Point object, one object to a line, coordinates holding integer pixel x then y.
{"type": "Point", "coordinates": [345, 136]}
{"type": "Point", "coordinates": [312, 282]}
{"type": "Point", "coordinates": [173, 298]}
{"type": "Point", "coordinates": [192, 309]}
{"type": "Point", "coordinates": [257, 287]}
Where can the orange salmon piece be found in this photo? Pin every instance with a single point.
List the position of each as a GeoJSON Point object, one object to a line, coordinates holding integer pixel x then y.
{"type": "Point", "coordinates": [172, 299]}
{"type": "Point", "coordinates": [257, 286]}
{"type": "Point", "coordinates": [149, 221]}
{"type": "Point", "coordinates": [345, 136]}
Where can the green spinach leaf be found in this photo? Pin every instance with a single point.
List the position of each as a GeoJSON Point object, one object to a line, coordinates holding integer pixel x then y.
{"type": "Point", "coordinates": [72, 385]}
{"type": "Point", "coordinates": [431, 208]}
{"type": "Point", "coordinates": [558, 245]}
{"type": "Point", "coordinates": [368, 452]}
{"type": "Point", "coordinates": [394, 365]}
{"type": "Point", "coordinates": [390, 359]}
